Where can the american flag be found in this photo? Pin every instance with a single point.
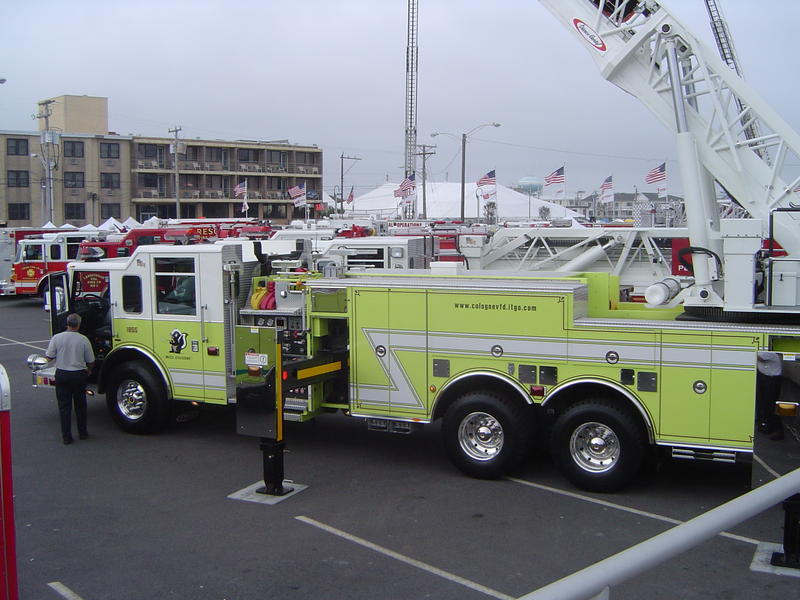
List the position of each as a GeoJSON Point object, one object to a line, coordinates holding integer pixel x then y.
{"type": "Point", "coordinates": [657, 174]}
{"type": "Point", "coordinates": [298, 194]}
{"type": "Point", "coordinates": [350, 196]}
{"type": "Point", "coordinates": [556, 176]}
{"type": "Point", "coordinates": [607, 189]}
{"type": "Point", "coordinates": [488, 179]}
{"type": "Point", "coordinates": [297, 191]}
{"type": "Point", "coordinates": [240, 189]}
{"type": "Point", "coordinates": [407, 187]}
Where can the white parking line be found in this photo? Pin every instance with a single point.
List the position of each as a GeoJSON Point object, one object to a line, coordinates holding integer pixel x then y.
{"type": "Point", "coordinates": [63, 590]}
{"type": "Point", "coordinates": [767, 468]}
{"type": "Point", "coordinates": [14, 342]}
{"type": "Point", "coordinates": [402, 558]}
{"type": "Point", "coordinates": [628, 509]}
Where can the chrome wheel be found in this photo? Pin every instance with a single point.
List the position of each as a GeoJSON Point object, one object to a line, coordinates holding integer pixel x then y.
{"type": "Point", "coordinates": [480, 436]}
{"type": "Point", "coordinates": [131, 399]}
{"type": "Point", "coordinates": [594, 447]}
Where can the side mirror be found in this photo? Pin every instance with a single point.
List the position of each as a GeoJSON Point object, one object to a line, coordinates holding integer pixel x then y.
{"type": "Point", "coordinates": [36, 362]}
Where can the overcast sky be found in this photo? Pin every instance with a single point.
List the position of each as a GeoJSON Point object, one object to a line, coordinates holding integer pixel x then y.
{"type": "Point", "coordinates": [332, 73]}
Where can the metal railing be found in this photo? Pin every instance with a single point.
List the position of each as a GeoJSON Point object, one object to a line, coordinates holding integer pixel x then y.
{"type": "Point", "coordinates": [594, 582]}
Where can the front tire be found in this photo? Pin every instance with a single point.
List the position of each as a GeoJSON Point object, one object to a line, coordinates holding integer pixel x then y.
{"type": "Point", "coordinates": [137, 400]}
{"type": "Point", "coordinates": [598, 446]}
{"type": "Point", "coordinates": [485, 434]}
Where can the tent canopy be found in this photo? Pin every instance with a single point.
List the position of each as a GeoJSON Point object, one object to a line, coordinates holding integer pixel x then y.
{"type": "Point", "coordinates": [443, 200]}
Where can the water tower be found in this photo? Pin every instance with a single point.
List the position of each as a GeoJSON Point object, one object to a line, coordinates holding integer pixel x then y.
{"type": "Point", "coordinates": [530, 185]}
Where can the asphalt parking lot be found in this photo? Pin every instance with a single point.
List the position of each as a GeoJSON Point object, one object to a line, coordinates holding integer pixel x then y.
{"type": "Point", "coordinates": [384, 516]}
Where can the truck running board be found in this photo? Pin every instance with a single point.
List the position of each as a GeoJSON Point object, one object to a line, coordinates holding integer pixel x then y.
{"type": "Point", "coordinates": [388, 426]}
{"type": "Point", "coordinates": [725, 456]}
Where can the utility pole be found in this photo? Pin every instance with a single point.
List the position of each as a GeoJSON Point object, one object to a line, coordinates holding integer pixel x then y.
{"type": "Point", "coordinates": [425, 151]}
{"type": "Point", "coordinates": [341, 189]}
{"type": "Point", "coordinates": [177, 176]}
{"type": "Point", "coordinates": [49, 152]}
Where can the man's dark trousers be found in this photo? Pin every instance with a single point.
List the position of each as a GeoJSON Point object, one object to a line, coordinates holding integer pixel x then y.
{"type": "Point", "coordinates": [71, 387]}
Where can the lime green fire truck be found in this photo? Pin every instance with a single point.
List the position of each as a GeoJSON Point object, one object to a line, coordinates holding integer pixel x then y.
{"type": "Point", "coordinates": [503, 361]}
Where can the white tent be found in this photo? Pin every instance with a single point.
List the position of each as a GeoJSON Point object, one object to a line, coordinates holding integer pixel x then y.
{"type": "Point", "coordinates": [88, 227]}
{"type": "Point", "coordinates": [443, 200]}
{"type": "Point", "coordinates": [68, 226]}
{"type": "Point", "coordinates": [131, 223]}
{"type": "Point", "coordinates": [111, 224]}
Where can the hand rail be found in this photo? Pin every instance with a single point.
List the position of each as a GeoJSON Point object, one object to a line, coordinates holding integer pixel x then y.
{"type": "Point", "coordinates": [594, 580]}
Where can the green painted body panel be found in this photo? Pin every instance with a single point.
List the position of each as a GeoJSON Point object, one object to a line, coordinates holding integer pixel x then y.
{"type": "Point", "coordinates": [695, 387]}
{"type": "Point", "coordinates": [182, 352]}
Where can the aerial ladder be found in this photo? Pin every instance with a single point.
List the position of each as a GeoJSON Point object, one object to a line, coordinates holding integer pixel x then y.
{"type": "Point", "coordinates": [643, 48]}
{"type": "Point", "coordinates": [727, 51]}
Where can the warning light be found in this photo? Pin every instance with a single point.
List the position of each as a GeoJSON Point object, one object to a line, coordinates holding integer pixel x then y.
{"type": "Point", "coordinates": [285, 375]}
{"type": "Point", "coordinates": [537, 390]}
{"type": "Point", "coordinates": [432, 388]}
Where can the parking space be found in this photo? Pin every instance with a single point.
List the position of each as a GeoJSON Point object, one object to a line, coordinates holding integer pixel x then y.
{"type": "Point", "coordinates": [130, 517]}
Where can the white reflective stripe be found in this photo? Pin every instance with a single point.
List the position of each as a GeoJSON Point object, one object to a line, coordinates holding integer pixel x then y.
{"type": "Point", "coordinates": [186, 377]}
{"type": "Point", "coordinates": [598, 351]}
{"type": "Point", "coordinates": [214, 380]}
{"type": "Point", "coordinates": [402, 391]}
{"type": "Point", "coordinates": [685, 355]}
{"type": "Point", "coordinates": [198, 379]}
{"type": "Point", "coordinates": [527, 347]}
{"type": "Point", "coordinates": [737, 358]}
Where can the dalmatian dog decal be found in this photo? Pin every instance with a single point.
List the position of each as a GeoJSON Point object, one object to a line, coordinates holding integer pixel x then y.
{"type": "Point", "coordinates": [177, 341]}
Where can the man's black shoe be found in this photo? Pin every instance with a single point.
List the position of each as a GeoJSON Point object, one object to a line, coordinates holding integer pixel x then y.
{"type": "Point", "coordinates": [67, 441]}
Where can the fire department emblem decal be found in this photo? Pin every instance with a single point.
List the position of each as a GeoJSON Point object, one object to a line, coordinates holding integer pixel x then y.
{"type": "Point", "coordinates": [177, 341]}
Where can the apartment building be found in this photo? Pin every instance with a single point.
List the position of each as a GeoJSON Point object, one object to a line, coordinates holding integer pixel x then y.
{"type": "Point", "coordinates": [96, 174]}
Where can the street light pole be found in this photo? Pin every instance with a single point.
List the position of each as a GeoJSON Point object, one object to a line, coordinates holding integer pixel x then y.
{"type": "Point", "coordinates": [464, 137]}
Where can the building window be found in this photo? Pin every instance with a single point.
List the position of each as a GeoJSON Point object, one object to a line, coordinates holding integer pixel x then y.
{"type": "Point", "coordinates": [17, 147]}
{"type": "Point", "coordinates": [17, 178]}
{"type": "Point", "coordinates": [73, 149]}
{"type": "Point", "coordinates": [248, 155]}
{"type": "Point", "coordinates": [74, 211]}
{"type": "Point", "coordinates": [219, 211]}
{"type": "Point", "coordinates": [109, 150]}
{"type": "Point", "coordinates": [276, 157]}
{"type": "Point", "coordinates": [19, 212]}
{"type": "Point", "coordinates": [305, 158]}
{"type": "Point", "coordinates": [213, 154]}
{"type": "Point", "coordinates": [109, 210]}
{"type": "Point", "coordinates": [109, 181]}
{"type": "Point", "coordinates": [274, 211]}
{"type": "Point", "coordinates": [194, 152]}
{"type": "Point", "coordinates": [73, 179]}
{"type": "Point", "coordinates": [148, 151]}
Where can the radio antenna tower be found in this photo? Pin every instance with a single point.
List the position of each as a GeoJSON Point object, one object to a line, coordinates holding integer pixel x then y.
{"type": "Point", "coordinates": [411, 96]}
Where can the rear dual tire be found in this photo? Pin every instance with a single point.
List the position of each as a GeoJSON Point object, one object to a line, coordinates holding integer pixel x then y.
{"type": "Point", "coordinates": [598, 446]}
{"type": "Point", "coordinates": [485, 434]}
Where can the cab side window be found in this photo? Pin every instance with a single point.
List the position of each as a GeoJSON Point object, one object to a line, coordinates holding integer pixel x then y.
{"type": "Point", "coordinates": [175, 286]}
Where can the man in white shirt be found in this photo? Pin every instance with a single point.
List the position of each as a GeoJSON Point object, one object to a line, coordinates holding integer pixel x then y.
{"type": "Point", "coordinates": [74, 358]}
